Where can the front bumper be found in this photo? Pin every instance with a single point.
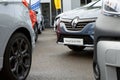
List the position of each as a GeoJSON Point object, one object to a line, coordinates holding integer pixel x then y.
{"type": "Point", "coordinates": [87, 39]}
{"type": "Point", "coordinates": [86, 34]}
{"type": "Point", "coordinates": [108, 57]}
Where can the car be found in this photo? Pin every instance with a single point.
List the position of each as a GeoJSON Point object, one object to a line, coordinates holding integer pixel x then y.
{"type": "Point", "coordinates": [74, 40]}
{"type": "Point", "coordinates": [77, 31]}
{"type": "Point", "coordinates": [35, 6]}
{"type": "Point", "coordinates": [72, 12]}
{"type": "Point", "coordinates": [106, 61]}
{"type": "Point", "coordinates": [17, 39]}
{"type": "Point", "coordinates": [40, 20]}
{"type": "Point", "coordinates": [33, 17]}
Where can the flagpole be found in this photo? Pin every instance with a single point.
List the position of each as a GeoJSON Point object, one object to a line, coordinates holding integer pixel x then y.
{"type": "Point", "coordinates": [30, 4]}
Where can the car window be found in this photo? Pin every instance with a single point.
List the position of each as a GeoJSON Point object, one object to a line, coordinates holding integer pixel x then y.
{"type": "Point", "coordinates": [87, 5]}
{"type": "Point", "coordinates": [98, 4]}
{"type": "Point", "coordinates": [90, 4]}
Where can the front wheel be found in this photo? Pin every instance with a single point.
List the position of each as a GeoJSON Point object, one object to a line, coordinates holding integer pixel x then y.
{"type": "Point", "coordinates": [96, 70]}
{"type": "Point", "coordinates": [17, 57]}
{"type": "Point", "coordinates": [76, 48]}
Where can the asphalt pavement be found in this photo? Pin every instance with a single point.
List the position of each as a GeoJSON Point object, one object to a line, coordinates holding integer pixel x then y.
{"type": "Point", "coordinates": [57, 62]}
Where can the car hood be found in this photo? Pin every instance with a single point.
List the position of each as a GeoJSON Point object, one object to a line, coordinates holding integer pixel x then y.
{"type": "Point", "coordinates": [81, 13]}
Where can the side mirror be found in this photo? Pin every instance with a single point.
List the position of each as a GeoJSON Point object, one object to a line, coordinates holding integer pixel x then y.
{"type": "Point", "coordinates": [36, 12]}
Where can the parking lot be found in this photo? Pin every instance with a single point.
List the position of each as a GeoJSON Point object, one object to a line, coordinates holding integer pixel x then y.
{"type": "Point", "coordinates": [57, 62]}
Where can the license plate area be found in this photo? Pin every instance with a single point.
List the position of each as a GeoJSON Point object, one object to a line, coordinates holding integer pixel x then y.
{"type": "Point", "coordinates": [73, 41]}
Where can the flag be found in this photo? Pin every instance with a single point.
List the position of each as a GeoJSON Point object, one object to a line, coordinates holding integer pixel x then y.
{"type": "Point", "coordinates": [57, 4]}
{"type": "Point", "coordinates": [35, 4]}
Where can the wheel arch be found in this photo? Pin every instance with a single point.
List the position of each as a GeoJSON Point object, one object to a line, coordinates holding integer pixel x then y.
{"type": "Point", "coordinates": [20, 30]}
{"type": "Point", "coordinates": [24, 31]}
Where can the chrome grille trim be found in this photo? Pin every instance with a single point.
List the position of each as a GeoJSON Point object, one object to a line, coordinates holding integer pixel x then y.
{"type": "Point", "coordinates": [80, 25]}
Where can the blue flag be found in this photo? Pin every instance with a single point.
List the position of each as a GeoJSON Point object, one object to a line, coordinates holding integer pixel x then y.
{"type": "Point", "coordinates": [35, 4]}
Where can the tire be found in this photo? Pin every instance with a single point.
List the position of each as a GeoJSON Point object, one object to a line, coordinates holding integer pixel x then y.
{"type": "Point", "coordinates": [17, 58]}
{"type": "Point", "coordinates": [76, 48]}
{"type": "Point", "coordinates": [39, 31]}
{"type": "Point", "coordinates": [96, 70]}
{"type": "Point", "coordinates": [36, 32]}
{"type": "Point", "coordinates": [43, 26]}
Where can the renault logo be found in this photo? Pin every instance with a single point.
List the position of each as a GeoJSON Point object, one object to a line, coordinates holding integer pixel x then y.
{"type": "Point", "coordinates": [74, 22]}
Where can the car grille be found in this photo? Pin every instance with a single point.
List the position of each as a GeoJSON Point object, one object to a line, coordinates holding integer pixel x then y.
{"type": "Point", "coordinates": [78, 27]}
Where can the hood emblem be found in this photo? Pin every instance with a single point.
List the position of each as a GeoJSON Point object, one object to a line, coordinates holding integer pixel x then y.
{"type": "Point", "coordinates": [74, 22]}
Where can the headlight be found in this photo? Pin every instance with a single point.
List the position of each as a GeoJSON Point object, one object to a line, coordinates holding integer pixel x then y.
{"type": "Point", "coordinates": [111, 7]}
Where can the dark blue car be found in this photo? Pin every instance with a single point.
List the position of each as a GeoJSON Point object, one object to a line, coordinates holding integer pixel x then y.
{"type": "Point", "coordinates": [77, 30]}
{"type": "Point", "coordinates": [76, 40]}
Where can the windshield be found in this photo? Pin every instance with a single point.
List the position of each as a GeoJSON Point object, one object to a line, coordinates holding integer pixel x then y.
{"type": "Point", "coordinates": [98, 4]}
{"type": "Point", "coordinates": [87, 5]}
{"type": "Point", "coordinates": [90, 4]}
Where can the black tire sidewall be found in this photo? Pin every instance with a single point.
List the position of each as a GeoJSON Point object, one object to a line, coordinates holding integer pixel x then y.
{"type": "Point", "coordinates": [6, 66]}
{"type": "Point", "coordinates": [94, 66]}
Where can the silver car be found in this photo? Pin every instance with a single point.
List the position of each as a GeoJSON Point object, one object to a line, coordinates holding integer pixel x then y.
{"type": "Point", "coordinates": [40, 20]}
{"type": "Point", "coordinates": [106, 63]}
{"type": "Point", "coordinates": [16, 39]}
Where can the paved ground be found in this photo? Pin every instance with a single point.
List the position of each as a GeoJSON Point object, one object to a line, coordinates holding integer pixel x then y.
{"type": "Point", "coordinates": [56, 62]}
